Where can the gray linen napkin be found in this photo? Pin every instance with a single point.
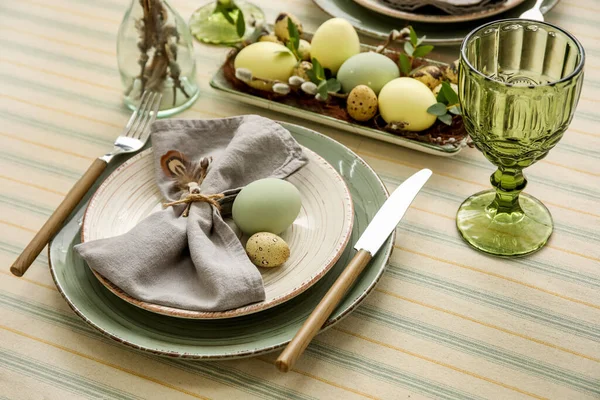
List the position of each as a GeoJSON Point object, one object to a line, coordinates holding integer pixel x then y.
{"type": "Point", "coordinates": [197, 262]}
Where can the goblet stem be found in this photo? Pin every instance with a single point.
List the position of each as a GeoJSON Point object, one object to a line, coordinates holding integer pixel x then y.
{"type": "Point", "coordinates": [508, 182]}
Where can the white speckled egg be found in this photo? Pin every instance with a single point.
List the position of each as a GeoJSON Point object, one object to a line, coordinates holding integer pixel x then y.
{"type": "Point", "coordinates": [267, 250]}
{"type": "Point", "coordinates": [334, 42]}
{"type": "Point", "coordinates": [266, 205]}
{"type": "Point", "coordinates": [266, 60]}
{"type": "Point", "coordinates": [405, 101]}
{"type": "Point", "coordinates": [371, 69]}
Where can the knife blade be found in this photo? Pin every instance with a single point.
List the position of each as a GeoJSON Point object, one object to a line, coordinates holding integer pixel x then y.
{"type": "Point", "coordinates": [377, 232]}
{"type": "Point", "coordinates": [390, 214]}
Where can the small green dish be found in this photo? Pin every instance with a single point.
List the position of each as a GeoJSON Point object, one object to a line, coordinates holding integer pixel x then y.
{"type": "Point", "coordinates": [234, 337]}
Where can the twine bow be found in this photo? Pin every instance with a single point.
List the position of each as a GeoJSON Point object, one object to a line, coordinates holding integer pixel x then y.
{"type": "Point", "coordinates": [196, 196]}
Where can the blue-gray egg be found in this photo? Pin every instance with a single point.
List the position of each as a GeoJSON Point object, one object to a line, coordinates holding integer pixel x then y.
{"type": "Point", "coordinates": [266, 205]}
{"type": "Point", "coordinates": [371, 69]}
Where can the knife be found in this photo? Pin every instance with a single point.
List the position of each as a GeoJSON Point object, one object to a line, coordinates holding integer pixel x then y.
{"type": "Point", "coordinates": [377, 232]}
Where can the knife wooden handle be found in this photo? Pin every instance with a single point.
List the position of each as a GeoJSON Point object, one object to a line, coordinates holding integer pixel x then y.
{"type": "Point", "coordinates": [39, 241]}
{"type": "Point", "coordinates": [317, 318]}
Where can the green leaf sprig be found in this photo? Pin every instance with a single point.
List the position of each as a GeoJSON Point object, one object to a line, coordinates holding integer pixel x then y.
{"type": "Point", "coordinates": [447, 104]}
{"type": "Point", "coordinates": [412, 50]}
{"type": "Point", "coordinates": [324, 85]}
{"type": "Point", "coordinates": [226, 8]}
{"type": "Point", "coordinates": [294, 43]}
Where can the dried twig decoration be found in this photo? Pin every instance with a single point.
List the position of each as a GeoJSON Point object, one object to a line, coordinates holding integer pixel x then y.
{"type": "Point", "coordinates": [156, 35]}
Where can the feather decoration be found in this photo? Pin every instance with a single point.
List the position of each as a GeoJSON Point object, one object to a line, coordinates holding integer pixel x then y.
{"type": "Point", "coordinates": [186, 174]}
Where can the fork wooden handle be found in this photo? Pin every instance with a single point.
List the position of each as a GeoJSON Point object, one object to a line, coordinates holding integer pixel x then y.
{"type": "Point", "coordinates": [57, 218]}
{"type": "Point", "coordinates": [317, 318]}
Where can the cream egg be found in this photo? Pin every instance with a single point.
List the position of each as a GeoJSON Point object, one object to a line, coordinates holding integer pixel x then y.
{"type": "Point", "coordinates": [334, 42]}
{"type": "Point", "coordinates": [405, 101]}
{"type": "Point", "coordinates": [266, 60]}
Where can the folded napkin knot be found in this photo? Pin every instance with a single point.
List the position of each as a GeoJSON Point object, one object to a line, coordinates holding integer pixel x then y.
{"type": "Point", "coordinates": [197, 263]}
{"type": "Point", "coordinates": [193, 196]}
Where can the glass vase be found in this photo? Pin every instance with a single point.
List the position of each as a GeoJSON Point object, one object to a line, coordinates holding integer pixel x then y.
{"type": "Point", "coordinates": [155, 52]}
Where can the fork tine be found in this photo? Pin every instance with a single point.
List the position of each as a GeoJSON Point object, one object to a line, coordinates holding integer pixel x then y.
{"type": "Point", "coordinates": [151, 116]}
{"type": "Point", "coordinates": [133, 116]}
{"type": "Point", "coordinates": [141, 110]}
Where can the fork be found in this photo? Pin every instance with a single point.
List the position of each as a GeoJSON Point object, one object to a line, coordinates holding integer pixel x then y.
{"type": "Point", "coordinates": [534, 12]}
{"type": "Point", "coordinates": [133, 138]}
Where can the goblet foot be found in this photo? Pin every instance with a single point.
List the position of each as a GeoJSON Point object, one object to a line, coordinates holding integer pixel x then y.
{"type": "Point", "coordinates": [504, 234]}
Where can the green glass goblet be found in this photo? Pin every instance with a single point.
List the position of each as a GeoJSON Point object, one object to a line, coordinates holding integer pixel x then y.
{"type": "Point", "coordinates": [519, 85]}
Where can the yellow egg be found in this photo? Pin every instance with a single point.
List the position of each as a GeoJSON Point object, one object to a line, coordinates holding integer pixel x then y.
{"type": "Point", "coordinates": [405, 101]}
{"type": "Point", "coordinates": [334, 42]}
{"type": "Point", "coordinates": [266, 60]}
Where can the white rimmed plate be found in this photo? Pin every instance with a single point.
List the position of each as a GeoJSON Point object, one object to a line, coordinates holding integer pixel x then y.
{"type": "Point", "coordinates": [317, 237]}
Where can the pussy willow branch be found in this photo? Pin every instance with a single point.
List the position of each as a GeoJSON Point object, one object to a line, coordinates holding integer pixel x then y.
{"type": "Point", "coordinates": [156, 34]}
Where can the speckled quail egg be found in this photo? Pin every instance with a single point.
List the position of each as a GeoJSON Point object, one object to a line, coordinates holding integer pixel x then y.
{"type": "Point", "coordinates": [281, 26]}
{"type": "Point", "coordinates": [301, 68]}
{"type": "Point", "coordinates": [362, 103]}
{"type": "Point", "coordinates": [451, 72]}
{"type": "Point", "coordinates": [269, 38]}
{"type": "Point", "coordinates": [405, 101]}
{"type": "Point", "coordinates": [266, 60]}
{"type": "Point", "coordinates": [334, 42]}
{"type": "Point", "coordinates": [267, 250]}
{"type": "Point", "coordinates": [304, 50]}
{"type": "Point", "coordinates": [430, 75]}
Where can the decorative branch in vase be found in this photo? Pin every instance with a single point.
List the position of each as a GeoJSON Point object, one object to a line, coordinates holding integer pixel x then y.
{"type": "Point", "coordinates": [156, 34]}
{"type": "Point", "coordinates": [164, 56]}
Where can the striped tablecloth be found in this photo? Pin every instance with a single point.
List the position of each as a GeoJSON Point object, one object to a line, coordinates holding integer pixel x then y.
{"type": "Point", "coordinates": [444, 322]}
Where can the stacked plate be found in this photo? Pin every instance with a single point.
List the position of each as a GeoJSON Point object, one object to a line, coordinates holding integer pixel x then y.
{"type": "Point", "coordinates": [321, 239]}
{"type": "Point", "coordinates": [444, 22]}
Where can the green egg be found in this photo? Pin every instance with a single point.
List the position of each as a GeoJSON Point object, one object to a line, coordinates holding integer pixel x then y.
{"type": "Point", "coordinates": [371, 69]}
{"type": "Point", "coordinates": [266, 205]}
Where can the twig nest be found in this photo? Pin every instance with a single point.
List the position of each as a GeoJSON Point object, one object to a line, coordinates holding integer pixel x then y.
{"type": "Point", "coordinates": [451, 72]}
{"type": "Point", "coordinates": [437, 89]}
{"type": "Point", "coordinates": [430, 75]}
{"type": "Point", "coordinates": [267, 250]}
{"type": "Point", "coordinates": [301, 68]}
{"type": "Point", "coordinates": [281, 26]}
{"type": "Point", "coordinates": [304, 50]}
{"type": "Point", "coordinates": [362, 103]}
{"type": "Point", "coordinates": [269, 38]}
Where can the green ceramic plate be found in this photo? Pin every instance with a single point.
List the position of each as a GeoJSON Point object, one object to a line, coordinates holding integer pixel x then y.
{"type": "Point", "coordinates": [230, 338]}
{"type": "Point", "coordinates": [379, 26]}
